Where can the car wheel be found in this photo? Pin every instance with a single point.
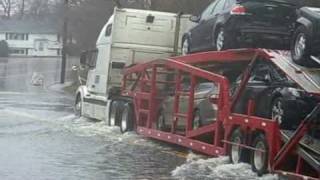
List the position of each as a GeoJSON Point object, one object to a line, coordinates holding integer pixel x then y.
{"type": "Point", "coordinates": [114, 113]}
{"type": "Point", "coordinates": [278, 112]}
{"type": "Point", "coordinates": [300, 47]}
{"type": "Point", "coordinates": [78, 106]}
{"type": "Point", "coordinates": [127, 119]}
{"type": "Point", "coordinates": [161, 121]}
{"type": "Point", "coordinates": [221, 40]}
{"type": "Point", "coordinates": [196, 120]}
{"type": "Point", "coordinates": [185, 46]}
{"type": "Point", "coordinates": [235, 151]}
{"type": "Point", "coordinates": [259, 158]}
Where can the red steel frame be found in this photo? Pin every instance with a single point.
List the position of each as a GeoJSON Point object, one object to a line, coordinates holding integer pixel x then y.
{"type": "Point", "coordinates": [146, 101]}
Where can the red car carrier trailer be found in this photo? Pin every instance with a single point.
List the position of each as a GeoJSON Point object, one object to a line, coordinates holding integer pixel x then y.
{"type": "Point", "coordinates": [240, 135]}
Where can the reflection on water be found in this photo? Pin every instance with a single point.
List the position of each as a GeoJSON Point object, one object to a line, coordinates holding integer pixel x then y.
{"type": "Point", "coordinates": [16, 73]}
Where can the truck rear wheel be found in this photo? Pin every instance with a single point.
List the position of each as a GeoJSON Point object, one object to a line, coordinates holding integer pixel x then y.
{"type": "Point", "coordinates": [185, 49]}
{"type": "Point", "coordinates": [235, 151]}
{"type": "Point", "coordinates": [114, 113]}
{"type": "Point", "coordinates": [259, 159]}
{"type": "Point", "coordinates": [196, 120]}
{"type": "Point", "coordinates": [127, 119]}
{"type": "Point", "coordinates": [161, 121]}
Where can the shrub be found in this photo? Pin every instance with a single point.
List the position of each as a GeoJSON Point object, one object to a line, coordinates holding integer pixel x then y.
{"type": "Point", "coordinates": [4, 49]}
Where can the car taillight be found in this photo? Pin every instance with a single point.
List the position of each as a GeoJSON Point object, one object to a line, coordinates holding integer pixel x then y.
{"type": "Point", "coordinates": [239, 10]}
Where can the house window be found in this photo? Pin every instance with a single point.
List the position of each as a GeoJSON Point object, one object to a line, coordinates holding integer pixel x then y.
{"type": "Point", "coordinates": [17, 36]}
{"type": "Point", "coordinates": [41, 46]}
{"type": "Point", "coordinates": [108, 30]}
{"type": "Point", "coordinates": [17, 51]}
{"type": "Point", "coordinates": [58, 38]}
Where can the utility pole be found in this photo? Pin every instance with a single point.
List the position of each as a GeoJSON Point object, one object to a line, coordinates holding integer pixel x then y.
{"type": "Point", "coordinates": [64, 42]}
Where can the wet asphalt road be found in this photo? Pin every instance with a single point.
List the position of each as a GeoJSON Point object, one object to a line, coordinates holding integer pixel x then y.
{"type": "Point", "coordinates": [40, 138]}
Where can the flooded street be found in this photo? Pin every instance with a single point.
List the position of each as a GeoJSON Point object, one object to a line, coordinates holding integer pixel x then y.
{"type": "Point", "coordinates": [40, 138]}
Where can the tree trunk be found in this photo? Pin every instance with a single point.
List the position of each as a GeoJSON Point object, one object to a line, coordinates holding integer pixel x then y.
{"type": "Point", "coordinates": [22, 9]}
{"type": "Point", "coordinates": [9, 9]}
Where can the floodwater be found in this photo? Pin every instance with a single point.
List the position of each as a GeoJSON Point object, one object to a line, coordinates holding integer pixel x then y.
{"type": "Point", "coordinates": [40, 138]}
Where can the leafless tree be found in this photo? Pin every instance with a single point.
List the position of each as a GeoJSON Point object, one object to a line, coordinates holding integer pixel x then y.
{"type": "Point", "coordinates": [38, 7]}
{"type": "Point", "coordinates": [6, 6]}
{"type": "Point", "coordinates": [22, 8]}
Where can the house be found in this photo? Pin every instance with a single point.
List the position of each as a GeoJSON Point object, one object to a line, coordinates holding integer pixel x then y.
{"type": "Point", "coordinates": [31, 37]}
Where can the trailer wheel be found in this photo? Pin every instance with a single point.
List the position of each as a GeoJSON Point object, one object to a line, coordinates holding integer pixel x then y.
{"type": "Point", "coordinates": [78, 106]}
{"type": "Point", "coordinates": [235, 151]}
{"type": "Point", "coordinates": [127, 119]}
{"type": "Point", "coordinates": [161, 121]}
{"type": "Point", "coordinates": [259, 160]}
{"type": "Point", "coordinates": [300, 47]}
{"type": "Point", "coordinates": [114, 113]}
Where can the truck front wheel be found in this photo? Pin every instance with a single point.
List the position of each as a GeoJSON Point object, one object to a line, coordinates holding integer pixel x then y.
{"type": "Point", "coordinates": [127, 119]}
{"type": "Point", "coordinates": [114, 113]}
{"type": "Point", "coordinates": [259, 157]}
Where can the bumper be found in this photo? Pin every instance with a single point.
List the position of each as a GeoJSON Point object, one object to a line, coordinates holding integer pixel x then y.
{"type": "Point", "coordinates": [260, 34]}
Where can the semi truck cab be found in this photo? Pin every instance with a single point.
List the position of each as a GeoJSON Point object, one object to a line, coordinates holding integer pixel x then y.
{"type": "Point", "coordinates": [129, 37]}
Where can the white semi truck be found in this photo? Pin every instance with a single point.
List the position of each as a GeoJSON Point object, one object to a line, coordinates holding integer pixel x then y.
{"type": "Point", "coordinates": [130, 37]}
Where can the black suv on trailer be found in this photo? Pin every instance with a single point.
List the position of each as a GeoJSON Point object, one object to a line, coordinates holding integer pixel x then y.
{"type": "Point", "coordinates": [254, 23]}
{"type": "Point", "coordinates": [306, 38]}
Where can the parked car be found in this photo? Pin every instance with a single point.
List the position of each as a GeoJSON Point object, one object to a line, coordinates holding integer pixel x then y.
{"type": "Point", "coordinates": [306, 38]}
{"type": "Point", "coordinates": [281, 94]}
{"type": "Point", "coordinates": [226, 24]}
{"type": "Point", "coordinates": [204, 109]}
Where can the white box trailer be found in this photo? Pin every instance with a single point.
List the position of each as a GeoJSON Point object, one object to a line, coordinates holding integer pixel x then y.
{"type": "Point", "coordinates": [130, 37]}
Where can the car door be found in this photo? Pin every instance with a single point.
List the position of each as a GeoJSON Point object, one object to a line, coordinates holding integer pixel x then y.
{"type": "Point", "coordinates": [207, 109]}
{"type": "Point", "coordinates": [260, 82]}
{"type": "Point", "coordinates": [210, 24]}
{"type": "Point", "coordinates": [197, 35]}
{"type": "Point", "coordinates": [168, 105]}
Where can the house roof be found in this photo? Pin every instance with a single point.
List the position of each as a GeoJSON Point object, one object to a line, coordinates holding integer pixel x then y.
{"type": "Point", "coordinates": [29, 26]}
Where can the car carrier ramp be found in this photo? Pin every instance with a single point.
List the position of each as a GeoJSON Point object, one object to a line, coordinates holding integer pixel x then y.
{"type": "Point", "coordinates": [308, 149]}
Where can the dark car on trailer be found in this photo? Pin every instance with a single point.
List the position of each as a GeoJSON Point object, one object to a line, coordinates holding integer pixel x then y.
{"type": "Point", "coordinates": [305, 46]}
{"type": "Point", "coordinates": [226, 24]}
{"type": "Point", "coordinates": [281, 90]}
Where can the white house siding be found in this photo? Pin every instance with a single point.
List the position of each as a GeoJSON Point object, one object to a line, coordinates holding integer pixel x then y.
{"type": "Point", "coordinates": [2, 36]}
{"type": "Point", "coordinates": [36, 45]}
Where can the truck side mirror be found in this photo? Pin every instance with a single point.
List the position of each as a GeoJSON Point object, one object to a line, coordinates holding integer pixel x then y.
{"type": "Point", "coordinates": [83, 58]}
{"type": "Point", "coordinates": [195, 19]}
